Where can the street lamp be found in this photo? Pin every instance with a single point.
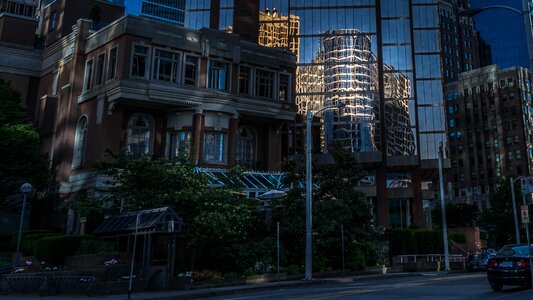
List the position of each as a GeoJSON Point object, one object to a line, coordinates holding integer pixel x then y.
{"type": "Point", "coordinates": [517, 231]}
{"type": "Point", "coordinates": [470, 12]}
{"type": "Point", "coordinates": [309, 191]}
{"type": "Point", "coordinates": [443, 211]}
{"type": "Point", "coordinates": [26, 189]}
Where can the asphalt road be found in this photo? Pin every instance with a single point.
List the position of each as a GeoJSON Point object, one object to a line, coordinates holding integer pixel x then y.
{"type": "Point", "coordinates": [454, 286]}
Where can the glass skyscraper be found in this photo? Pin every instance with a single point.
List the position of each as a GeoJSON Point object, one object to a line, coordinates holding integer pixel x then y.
{"type": "Point", "coordinates": [166, 11]}
{"type": "Point", "coordinates": [508, 44]}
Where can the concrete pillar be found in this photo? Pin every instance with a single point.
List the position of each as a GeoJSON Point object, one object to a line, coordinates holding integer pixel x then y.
{"type": "Point", "coordinates": [416, 205]}
{"type": "Point", "coordinates": [198, 136]}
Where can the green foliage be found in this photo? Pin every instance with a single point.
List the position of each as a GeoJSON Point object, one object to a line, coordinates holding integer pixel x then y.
{"type": "Point", "coordinates": [20, 139]}
{"type": "Point", "coordinates": [335, 203]}
{"type": "Point", "coordinates": [54, 249]}
{"type": "Point", "coordinates": [457, 215]}
{"type": "Point", "coordinates": [419, 241]}
{"type": "Point", "coordinates": [93, 246]}
{"type": "Point", "coordinates": [29, 242]}
{"type": "Point", "coordinates": [14, 236]}
{"type": "Point", "coordinates": [498, 220]}
{"type": "Point", "coordinates": [483, 234]}
{"type": "Point", "coordinates": [211, 216]}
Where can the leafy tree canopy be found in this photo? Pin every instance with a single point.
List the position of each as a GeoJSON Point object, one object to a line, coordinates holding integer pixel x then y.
{"type": "Point", "coordinates": [20, 139]}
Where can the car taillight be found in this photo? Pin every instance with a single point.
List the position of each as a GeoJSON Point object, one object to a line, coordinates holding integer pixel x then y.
{"type": "Point", "coordinates": [522, 263]}
{"type": "Point", "coordinates": [492, 264]}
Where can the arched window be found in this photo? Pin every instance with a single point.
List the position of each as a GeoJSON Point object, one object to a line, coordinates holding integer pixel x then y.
{"type": "Point", "coordinates": [80, 141]}
{"type": "Point", "coordinates": [247, 147]}
{"type": "Point", "coordinates": [139, 140]}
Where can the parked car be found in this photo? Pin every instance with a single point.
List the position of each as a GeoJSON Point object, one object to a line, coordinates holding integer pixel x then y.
{"type": "Point", "coordinates": [479, 262]}
{"type": "Point", "coordinates": [510, 266]}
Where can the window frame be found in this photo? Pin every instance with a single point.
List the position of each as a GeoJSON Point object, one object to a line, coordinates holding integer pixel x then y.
{"type": "Point", "coordinates": [147, 67]}
{"type": "Point", "coordinates": [80, 146]}
{"type": "Point", "coordinates": [289, 86]}
{"type": "Point", "coordinates": [274, 83]}
{"type": "Point", "coordinates": [88, 74]}
{"type": "Point", "coordinates": [179, 70]}
{"type": "Point", "coordinates": [228, 75]}
{"type": "Point", "coordinates": [184, 65]}
{"type": "Point", "coordinates": [152, 133]}
{"type": "Point", "coordinates": [224, 147]}
{"type": "Point", "coordinates": [250, 80]}
{"type": "Point", "coordinates": [114, 67]}
{"type": "Point", "coordinates": [97, 69]}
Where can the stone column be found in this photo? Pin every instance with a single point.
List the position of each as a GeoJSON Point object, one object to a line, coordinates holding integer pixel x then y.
{"type": "Point", "coordinates": [198, 135]}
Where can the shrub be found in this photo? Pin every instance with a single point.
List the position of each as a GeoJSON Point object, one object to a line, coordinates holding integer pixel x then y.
{"type": "Point", "coordinates": [29, 241]}
{"type": "Point", "coordinates": [54, 249]}
{"type": "Point", "coordinates": [483, 234]}
{"type": "Point", "coordinates": [419, 241]}
{"type": "Point", "coordinates": [14, 237]}
{"type": "Point", "coordinates": [91, 246]}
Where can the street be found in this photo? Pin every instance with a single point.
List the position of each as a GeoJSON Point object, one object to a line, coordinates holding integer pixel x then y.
{"type": "Point", "coordinates": [455, 286]}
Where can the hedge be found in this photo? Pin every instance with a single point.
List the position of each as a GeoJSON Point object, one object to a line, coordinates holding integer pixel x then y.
{"type": "Point", "coordinates": [54, 249]}
{"type": "Point", "coordinates": [29, 241]}
{"type": "Point", "coordinates": [419, 241]}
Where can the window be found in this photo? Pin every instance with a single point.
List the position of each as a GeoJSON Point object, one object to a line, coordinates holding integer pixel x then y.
{"type": "Point", "coordinates": [180, 144]}
{"type": "Point", "coordinates": [246, 147]}
{"type": "Point", "coordinates": [452, 123]}
{"type": "Point", "coordinates": [191, 70]}
{"type": "Point", "coordinates": [284, 84]}
{"type": "Point", "coordinates": [218, 75]}
{"type": "Point", "coordinates": [517, 154]}
{"type": "Point", "coordinates": [139, 140]}
{"type": "Point", "coordinates": [244, 80]}
{"type": "Point", "coordinates": [87, 78]}
{"type": "Point", "coordinates": [166, 65]}
{"type": "Point", "coordinates": [510, 155]}
{"type": "Point", "coordinates": [80, 141]}
{"type": "Point", "coordinates": [140, 55]}
{"type": "Point", "coordinates": [215, 147]}
{"type": "Point", "coordinates": [52, 22]}
{"type": "Point", "coordinates": [100, 69]}
{"type": "Point", "coordinates": [497, 158]}
{"type": "Point", "coordinates": [264, 83]}
{"type": "Point", "coordinates": [112, 65]}
{"type": "Point", "coordinates": [55, 79]}
{"type": "Point", "coordinates": [516, 139]}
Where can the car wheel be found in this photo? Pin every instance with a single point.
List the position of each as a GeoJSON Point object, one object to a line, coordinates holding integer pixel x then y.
{"type": "Point", "coordinates": [496, 286]}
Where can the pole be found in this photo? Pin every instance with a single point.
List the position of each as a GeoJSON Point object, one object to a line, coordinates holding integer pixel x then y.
{"type": "Point", "coordinates": [528, 240]}
{"type": "Point", "coordinates": [308, 202]}
{"type": "Point", "coordinates": [517, 231]}
{"type": "Point", "coordinates": [17, 255]}
{"type": "Point", "coordinates": [443, 209]}
{"type": "Point", "coordinates": [137, 221]}
{"type": "Point", "coordinates": [342, 247]}
{"type": "Point", "coordinates": [277, 243]}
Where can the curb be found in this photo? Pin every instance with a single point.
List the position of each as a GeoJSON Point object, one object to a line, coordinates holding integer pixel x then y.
{"type": "Point", "coordinates": [253, 288]}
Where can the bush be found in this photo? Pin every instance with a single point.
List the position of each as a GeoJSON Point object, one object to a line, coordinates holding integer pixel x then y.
{"type": "Point", "coordinates": [29, 241]}
{"type": "Point", "coordinates": [483, 234]}
{"type": "Point", "coordinates": [14, 237]}
{"type": "Point", "coordinates": [54, 249]}
{"type": "Point", "coordinates": [90, 246]}
{"type": "Point", "coordinates": [419, 241]}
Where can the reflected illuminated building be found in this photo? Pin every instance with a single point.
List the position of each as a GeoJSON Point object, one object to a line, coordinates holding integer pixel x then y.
{"type": "Point", "coordinates": [274, 31]}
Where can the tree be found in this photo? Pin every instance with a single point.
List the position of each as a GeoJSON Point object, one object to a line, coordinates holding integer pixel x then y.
{"type": "Point", "coordinates": [211, 215]}
{"type": "Point", "coordinates": [498, 220]}
{"type": "Point", "coordinates": [457, 215]}
{"type": "Point", "coordinates": [335, 202]}
{"type": "Point", "coordinates": [20, 139]}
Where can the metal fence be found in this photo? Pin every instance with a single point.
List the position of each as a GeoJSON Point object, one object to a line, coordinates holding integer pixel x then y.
{"type": "Point", "coordinates": [47, 285]}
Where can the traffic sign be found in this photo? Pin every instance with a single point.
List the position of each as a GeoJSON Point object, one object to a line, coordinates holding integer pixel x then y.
{"type": "Point", "coordinates": [526, 184]}
{"type": "Point", "coordinates": [525, 213]}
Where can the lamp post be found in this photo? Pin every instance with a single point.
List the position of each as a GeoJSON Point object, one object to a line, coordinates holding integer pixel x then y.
{"type": "Point", "coordinates": [517, 231]}
{"type": "Point", "coordinates": [443, 212]}
{"type": "Point", "coordinates": [25, 189]}
{"type": "Point", "coordinates": [468, 13]}
{"type": "Point", "coordinates": [309, 191]}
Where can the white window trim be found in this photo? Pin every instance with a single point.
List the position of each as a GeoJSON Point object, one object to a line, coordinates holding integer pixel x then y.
{"type": "Point", "coordinates": [85, 75]}
{"type": "Point", "coordinates": [180, 65]}
{"type": "Point", "coordinates": [183, 64]}
{"type": "Point", "coordinates": [228, 77]}
{"type": "Point", "coordinates": [104, 68]}
{"type": "Point", "coordinates": [148, 67]}
{"type": "Point", "coordinates": [75, 163]}
{"type": "Point", "coordinates": [250, 81]}
{"type": "Point", "coordinates": [109, 62]}
{"type": "Point", "coordinates": [274, 83]}
{"type": "Point", "coordinates": [289, 87]}
{"type": "Point", "coordinates": [152, 131]}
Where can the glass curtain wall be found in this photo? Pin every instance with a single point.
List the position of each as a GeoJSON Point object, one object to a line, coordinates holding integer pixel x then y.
{"type": "Point", "coordinates": [378, 57]}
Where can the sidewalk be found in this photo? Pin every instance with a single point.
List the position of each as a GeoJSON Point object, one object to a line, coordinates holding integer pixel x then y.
{"type": "Point", "coordinates": [229, 290]}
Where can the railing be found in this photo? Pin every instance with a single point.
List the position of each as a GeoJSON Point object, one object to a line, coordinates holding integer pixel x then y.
{"type": "Point", "coordinates": [429, 258]}
{"type": "Point", "coordinates": [49, 285]}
